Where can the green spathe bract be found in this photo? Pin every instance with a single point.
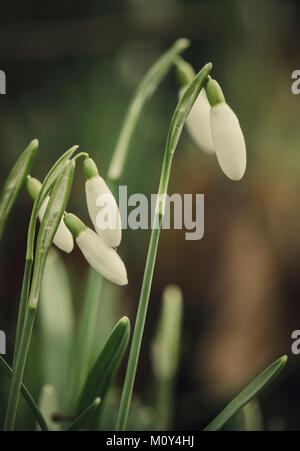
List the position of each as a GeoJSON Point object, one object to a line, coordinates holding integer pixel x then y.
{"type": "Point", "coordinates": [15, 181]}
{"type": "Point", "coordinates": [247, 394]}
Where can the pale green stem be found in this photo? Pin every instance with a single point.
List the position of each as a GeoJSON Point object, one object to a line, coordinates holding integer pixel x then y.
{"type": "Point", "coordinates": [22, 306]}
{"type": "Point", "coordinates": [18, 370]}
{"type": "Point", "coordinates": [144, 298]}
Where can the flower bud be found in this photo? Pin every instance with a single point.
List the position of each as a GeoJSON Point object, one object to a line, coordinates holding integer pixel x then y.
{"type": "Point", "coordinates": [101, 257]}
{"type": "Point", "coordinates": [228, 138]}
{"type": "Point", "coordinates": [102, 206]}
{"type": "Point", "coordinates": [198, 123]}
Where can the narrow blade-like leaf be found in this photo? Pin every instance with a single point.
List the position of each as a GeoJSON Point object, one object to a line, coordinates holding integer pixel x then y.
{"type": "Point", "coordinates": [81, 420]}
{"type": "Point", "coordinates": [247, 394]}
{"type": "Point", "coordinates": [27, 396]}
{"type": "Point", "coordinates": [101, 374]}
{"type": "Point", "coordinates": [15, 181]}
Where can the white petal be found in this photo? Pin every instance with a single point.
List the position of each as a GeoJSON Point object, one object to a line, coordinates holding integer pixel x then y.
{"type": "Point", "coordinates": [228, 141]}
{"type": "Point", "coordinates": [63, 238]}
{"type": "Point", "coordinates": [95, 188]}
{"type": "Point", "coordinates": [101, 257]}
{"type": "Point", "coordinates": [198, 123]}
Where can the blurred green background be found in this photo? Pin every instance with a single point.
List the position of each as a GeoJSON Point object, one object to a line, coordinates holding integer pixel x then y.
{"type": "Point", "coordinates": [71, 70]}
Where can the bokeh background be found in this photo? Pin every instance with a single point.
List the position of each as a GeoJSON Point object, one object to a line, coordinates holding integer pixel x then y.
{"type": "Point", "coordinates": [71, 69]}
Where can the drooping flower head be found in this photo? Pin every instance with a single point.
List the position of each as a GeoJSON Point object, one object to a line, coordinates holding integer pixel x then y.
{"type": "Point", "coordinates": [102, 206]}
{"type": "Point", "coordinates": [228, 138]}
{"type": "Point", "coordinates": [99, 255]}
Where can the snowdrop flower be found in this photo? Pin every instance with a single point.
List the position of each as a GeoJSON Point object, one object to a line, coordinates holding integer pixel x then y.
{"type": "Point", "coordinates": [228, 138]}
{"type": "Point", "coordinates": [63, 238]}
{"type": "Point", "coordinates": [198, 123]}
{"type": "Point", "coordinates": [101, 257]}
{"type": "Point", "coordinates": [198, 120]}
{"type": "Point", "coordinates": [102, 206]}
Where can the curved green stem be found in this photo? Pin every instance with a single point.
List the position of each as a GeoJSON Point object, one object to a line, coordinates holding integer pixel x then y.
{"type": "Point", "coordinates": [182, 110]}
{"type": "Point", "coordinates": [22, 306]}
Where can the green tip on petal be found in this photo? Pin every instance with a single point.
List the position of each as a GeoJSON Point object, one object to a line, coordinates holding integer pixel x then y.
{"type": "Point", "coordinates": [90, 168]}
{"type": "Point", "coordinates": [33, 186]}
{"type": "Point", "coordinates": [214, 92]}
{"type": "Point", "coordinates": [74, 224]}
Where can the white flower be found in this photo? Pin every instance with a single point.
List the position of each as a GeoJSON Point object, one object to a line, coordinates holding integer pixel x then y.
{"type": "Point", "coordinates": [103, 210]}
{"type": "Point", "coordinates": [102, 258]}
{"type": "Point", "coordinates": [198, 123]}
{"type": "Point", "coordinates": [228, 139]}
{"type": "Point", "coordinates": [63, 238]}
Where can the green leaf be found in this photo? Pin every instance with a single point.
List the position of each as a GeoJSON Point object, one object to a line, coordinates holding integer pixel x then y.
{"type": "Point", "coordinates": [53, 215]}
{"type": "Point", "coordinates": [48, 404]}
{"type": "Point", "coordinates": [108, 362]}
{"type": "Point", "coordinates": [247, 394]}
{"type": "Point", "coordinates": [249, 418]}
{"type": "Point", "coordinates": [56, 321]}
{"type": "Point", "coordinates": [144, 90]}
{"type": "Point", "coordinates": [15, 181]}
{"type": "Point", "coordinates": [81, 420]}
{"type": "Point", "coordinates": [27, 396]}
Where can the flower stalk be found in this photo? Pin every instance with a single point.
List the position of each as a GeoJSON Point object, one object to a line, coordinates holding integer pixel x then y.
{"type": "Point", "coordinates": [182, 110]}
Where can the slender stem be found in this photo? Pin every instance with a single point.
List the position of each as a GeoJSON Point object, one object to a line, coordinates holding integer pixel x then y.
{"type": "Point", "coordinates": [18, 370]}
{"type": "Point", "coordinates": [81, 155]}
{"type": "Point", "coordinates": [180, 114]}
{"type": "Point", "coordinates": [22, 306]}
{"type": "Point", "coordinates": [144, 298]}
